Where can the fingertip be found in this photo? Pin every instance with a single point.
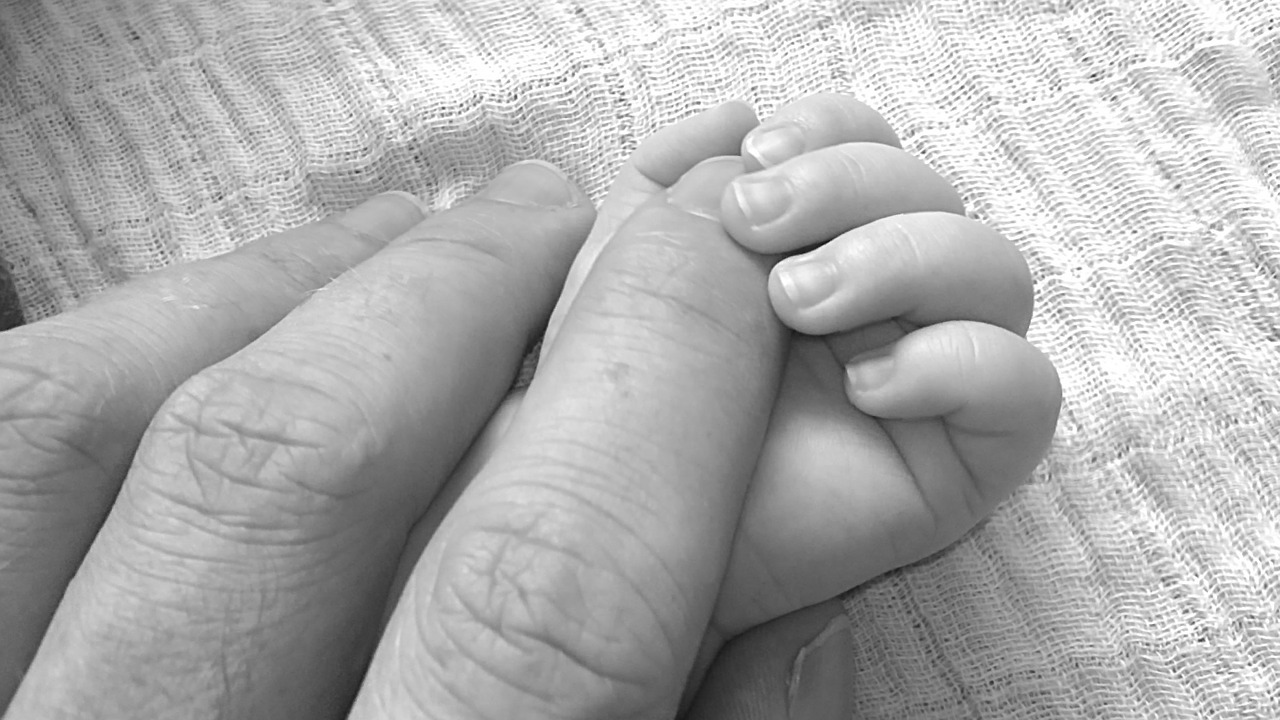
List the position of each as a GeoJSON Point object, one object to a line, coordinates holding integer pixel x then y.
{"type": "Point", "coordinates": [669, 153]}
{"type": "Point", "coordinates": [741, 228]}
{"type": "Point", "coordinates": [869, 374]}
{"type": "Point", "coordinates": [788, 294]}
{"type": "Point", "coordinates": [534, 183]}
{"type": "Point", "coordinates": [383, 217]}
{"type": "Point", "coordinates": [772, 144]}
{"type": "Point", "coordinates": [700, 191]}
{"type": "Point", "coordinates": [410, 201]}
{"type": "Point", "coordinates": [742, 112]}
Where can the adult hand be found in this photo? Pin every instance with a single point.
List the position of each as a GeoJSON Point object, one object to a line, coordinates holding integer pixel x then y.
{"type": "Point", "coordinates": [265, 435]}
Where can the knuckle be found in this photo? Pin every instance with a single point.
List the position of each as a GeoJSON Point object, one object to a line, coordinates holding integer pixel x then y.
{"type": "Point", "coordinates": [908, 238]}
{"type": "Point", "coordinates": [48, 408]}
{"type": "Point", "coordinates": [957, 344]}
{"type": "Point", "coordinates": [531, 603]}
{"type": "Point", "coordinates": [253, 448]}
{"type": "Point", "coordinates": [850, 164]}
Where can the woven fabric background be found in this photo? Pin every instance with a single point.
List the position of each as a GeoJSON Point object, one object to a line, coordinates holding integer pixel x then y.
{"type": "Point", "coordinates": [1131, 149]}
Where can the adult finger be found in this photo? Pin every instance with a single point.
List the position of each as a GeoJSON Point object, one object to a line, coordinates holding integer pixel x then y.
{"type": "Point", "coordinates": [798, 667]}
{"type": "Point", "coordinates": [821, 194]}
{"type": "Point", "coordinates": [921, 267]}
{"type": "Point", "coordinates": [660, 160]}
{"type": "Point", "coordinates": [466, 470]}
{"type": "Point", "coordinates": [576, 575]}
{"type": "Point", "coordinates": [812, 122]}
{"type": "Point", "coordinates": [243, 570]}
{"type": "Point", "coordinates": [77, 390]}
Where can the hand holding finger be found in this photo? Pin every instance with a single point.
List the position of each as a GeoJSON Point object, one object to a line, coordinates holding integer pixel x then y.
{"type": "Point", "coordinates": [659, 161]}
{"type": "Point", "coordinates": [640, 427]}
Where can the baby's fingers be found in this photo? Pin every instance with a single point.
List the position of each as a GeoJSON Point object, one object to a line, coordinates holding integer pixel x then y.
{"type": "Point", "coordinates": [814, 197]}
{"type": "Point", "coordinates": [923, 268]}
{"type": "Point", "coordinates": [997, 395]}
{"type": "Point", "coordinates": [812, 122]}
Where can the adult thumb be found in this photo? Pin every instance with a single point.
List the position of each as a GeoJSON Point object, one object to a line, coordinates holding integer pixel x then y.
{"type": "Point", "coordinates": [798, 667]}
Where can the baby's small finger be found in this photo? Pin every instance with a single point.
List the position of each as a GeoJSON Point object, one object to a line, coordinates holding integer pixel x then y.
{"type": "Point", "coordinates": [923, 268]}
{"type": "Point", "coordinates": [821, 194]}
{"type": "Point", "coordinates": [997, 395]}
{"type": "Point", "coordinates": [812, 122]}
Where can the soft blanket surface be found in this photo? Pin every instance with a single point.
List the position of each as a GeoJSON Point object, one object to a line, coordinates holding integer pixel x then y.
{"type": "Point", "coordinates": [1130, 149]}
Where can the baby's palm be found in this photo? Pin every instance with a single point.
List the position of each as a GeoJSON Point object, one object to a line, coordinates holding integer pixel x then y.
{"type": "Point", "coordinates": [841, 496]}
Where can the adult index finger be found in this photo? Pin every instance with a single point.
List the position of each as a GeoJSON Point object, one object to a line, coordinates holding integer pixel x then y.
{"type": "Point", "coordinates": [576, 575]}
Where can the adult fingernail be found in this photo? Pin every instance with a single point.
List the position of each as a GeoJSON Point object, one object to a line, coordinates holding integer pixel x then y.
{"type": "Point", "coordinates": [534, 183]}
{"type": "Point", "coordinates": [807, 282]}
{"type": "Point", "coordinates": [762, 197]}
{"type": "Point", "coordinates": [820, 687]}
{"type": "Point", "coordinates": [774, 144]}
{"type": "Point", "coordinates": [870, 370]}
{"type": "Point", "coordinates": [699, 191]}
{"type": "Point", "coordinates": [385, 216]}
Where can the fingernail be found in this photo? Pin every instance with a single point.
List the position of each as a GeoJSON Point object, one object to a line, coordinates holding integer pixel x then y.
{"type": "Point", "coordinates": [821, 677]}
{"type": "Point", "coordinates": [774, 144]}
{"type": "Point", "coordinates": [699, 191]}
{"type": "Point", "coordinates": [534, 183]}
{"type": "Point", "coordinates": [871, 369]}
{"type": "Point", "coordinates": [385, 216]}
{"type": "Point", "coordinates": [763, 197]}
{"type": "Point", "coordinates": [411, 199]}
{"type": "Point", "coordinates": [807, 282]}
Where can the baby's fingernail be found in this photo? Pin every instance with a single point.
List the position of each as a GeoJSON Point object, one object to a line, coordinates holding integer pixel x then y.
{"type": "Point", "coordinates": [820, 687]}
{"type": "Point", "coordinates": [774, 144]}
{"type": "Point", "coordinates": [870, 370]}
{"type": "Point", "coordinates": [699, 191]}
{"type": "Point", "coordinates": [807, 282]}
{"type": "Point", "coordinates": [532, 182]}
{"type": "Point", "coordinates": [763, 197]}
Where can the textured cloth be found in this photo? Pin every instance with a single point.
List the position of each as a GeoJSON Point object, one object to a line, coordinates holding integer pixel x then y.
{"type": "Point", "coordinates": [1130, 149]}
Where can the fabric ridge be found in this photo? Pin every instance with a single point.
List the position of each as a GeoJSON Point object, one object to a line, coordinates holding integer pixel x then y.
{"type": "Point", "coordinates": [1130, 149]}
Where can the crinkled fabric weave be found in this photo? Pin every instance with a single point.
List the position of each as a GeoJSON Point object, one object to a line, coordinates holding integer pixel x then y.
{"type": "Point", "coordinates": [1130, 149]}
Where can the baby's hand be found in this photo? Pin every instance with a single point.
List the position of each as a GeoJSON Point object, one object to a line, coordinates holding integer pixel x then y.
{"type": "Point", "coordinates": [847, 491]}
{"type": "Point", "coordinates": [913, 312]}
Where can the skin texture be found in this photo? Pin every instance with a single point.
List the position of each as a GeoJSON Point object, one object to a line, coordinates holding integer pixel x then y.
{"type": "Point", "coordinates": [602, 629]}
{"type": "Point", "coordinates": [256, 438]}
